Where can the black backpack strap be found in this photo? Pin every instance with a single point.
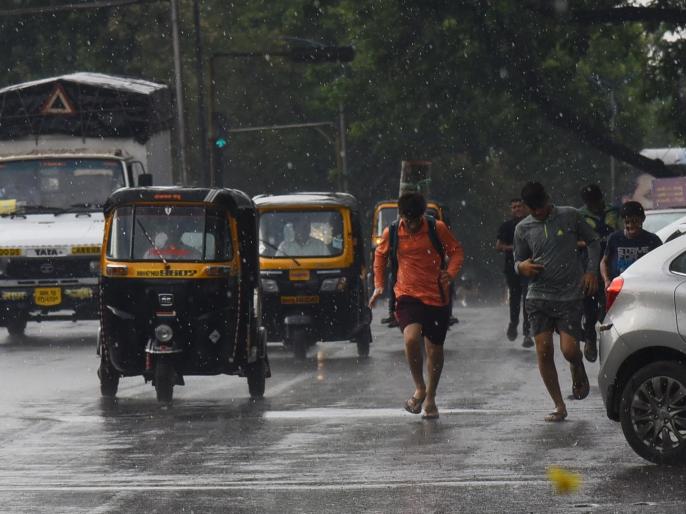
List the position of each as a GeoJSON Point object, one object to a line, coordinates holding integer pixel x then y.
{"type": "Point", "coordinates": [393, 246]}
{"type": "Point", "coordinates": [435, 240]}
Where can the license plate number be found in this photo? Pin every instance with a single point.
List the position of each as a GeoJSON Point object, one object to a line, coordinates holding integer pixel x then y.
{"type": "Point", "coordinates": [47, 296]}
{"type": "Point", "coordinates": [299, 300]}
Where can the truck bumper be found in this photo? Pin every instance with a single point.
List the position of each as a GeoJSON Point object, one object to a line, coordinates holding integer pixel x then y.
{"type": "Point", "coordinates": [53, 302]}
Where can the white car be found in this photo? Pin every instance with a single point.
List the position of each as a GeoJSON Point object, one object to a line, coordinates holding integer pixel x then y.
{"type": "Point", "coordinates": [657, 219]}
{"type": "Point", "coordinates": [642, 349]}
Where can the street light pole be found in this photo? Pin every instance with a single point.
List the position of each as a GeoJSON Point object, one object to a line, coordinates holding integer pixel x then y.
{"type": "Point", "coordinates": [343, 148]}
{"type": "Point", "coordinates": [613, 106]}
{"type": "Point", "coordinates": [202, 124]}
{"type": "Point", "coordinates": [180, 125]}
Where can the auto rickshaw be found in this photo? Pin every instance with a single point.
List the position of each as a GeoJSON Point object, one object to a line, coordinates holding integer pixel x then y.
{"type": "Point", "coordinates": [312, 268]}
{"type": "Point", "coordinates": [179, 291]}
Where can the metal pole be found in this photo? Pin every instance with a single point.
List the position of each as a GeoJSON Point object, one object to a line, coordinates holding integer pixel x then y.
{"type": "Point", "coordinates": [613, 105]}
{"type": "Point", "coordinates": [202, 121]}
{"type": "Point", "coordinates": [342, 149]}
{"type": "Point", "coordinates": [180, 125]}
{"type": "Point", "coordinates": [213, 129]}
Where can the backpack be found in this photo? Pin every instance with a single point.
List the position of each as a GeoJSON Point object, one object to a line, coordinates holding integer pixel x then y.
{"type": "Point", "coordinates": [393, 243]}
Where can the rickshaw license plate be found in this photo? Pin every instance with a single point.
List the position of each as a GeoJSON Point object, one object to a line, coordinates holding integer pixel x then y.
{"type": "Point", "coordinates": [47, 296]}
{"type": "Point", "coordinates": [298, 274]}
{"type": "Point", "coordinates": [299, 300]}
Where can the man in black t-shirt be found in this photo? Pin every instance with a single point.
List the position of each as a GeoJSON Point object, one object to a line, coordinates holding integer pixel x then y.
{"type": "Point", "coordinates": [625, 247]}
{"type": "Point", "coordinates": [516, 284]}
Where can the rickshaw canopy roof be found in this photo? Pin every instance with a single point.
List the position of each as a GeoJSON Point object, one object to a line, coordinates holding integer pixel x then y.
{"type": "Point", "coordinates": [231, 200]}
{"type": "Point", "coordinates": [307, 200]}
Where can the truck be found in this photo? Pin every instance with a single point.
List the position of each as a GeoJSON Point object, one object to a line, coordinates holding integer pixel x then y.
{"type": "Point", "coordinates": [66, 143]}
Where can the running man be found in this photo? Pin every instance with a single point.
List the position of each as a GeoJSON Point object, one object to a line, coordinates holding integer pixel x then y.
{"type": "Point", "coordinates": [516, 284]}
{"type": "Point", "coordinates": [625, 247]}
{"type": "Point", "coordinates": [545, 251]}
{"type": "Point", "coordinates": [422, 290]}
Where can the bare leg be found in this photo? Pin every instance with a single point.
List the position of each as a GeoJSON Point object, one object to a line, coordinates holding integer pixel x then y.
{"type": "Point", "coordinates": [546, 366]}
{"type": "Point", "coordinates": [413, 353]}
{"type": "Point", "coordinates": [434, 367]}
{"type": "Point", "coordinates": [570, 349]}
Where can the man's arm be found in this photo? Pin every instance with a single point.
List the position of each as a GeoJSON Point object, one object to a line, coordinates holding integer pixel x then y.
{"type": "Point", "coordinates": [379, 266]}
{"type": "Point", "coordinates": [452, 248]}
{"type": "Point", "coordinates": [605, 270]}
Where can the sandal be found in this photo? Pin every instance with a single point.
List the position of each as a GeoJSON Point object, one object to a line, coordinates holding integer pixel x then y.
{"type": "Point", "coordinates": [580, 385]}
{"type": "Point", "coordinates": [430, 413]}
{"type": "Point", "coordinates": [556, 416]}
{"type": "Point", "coordinates": [414, 405]}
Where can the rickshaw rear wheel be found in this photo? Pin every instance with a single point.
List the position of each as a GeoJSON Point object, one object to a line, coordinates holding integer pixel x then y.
{"type": "Point", "coordinates": [165, 376]}
{"type": "Point", "coordinates": [299, 343]}
{"type": "Point", "coordinates": [17, 325]}
{"type": "Point", "coordinates": [256, 375]}
{"type": "Point", "coordinates": [109, 378]}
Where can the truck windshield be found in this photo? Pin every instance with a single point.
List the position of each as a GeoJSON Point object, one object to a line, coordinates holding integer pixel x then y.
{"type": "Point", "coordinates": [301, 234]}
{"type": "Point", "coordinates": [169, 233]}
{"type": "Point", "coordinates": [56, 185]}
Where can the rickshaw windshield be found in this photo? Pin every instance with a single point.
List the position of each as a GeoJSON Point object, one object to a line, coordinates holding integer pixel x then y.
{"type": "Point", "coordinates": [387, 215]}
{"type": "Point", "coordinates": [301, 234]}
{"type": "Point", "coordinates": [169, 233]}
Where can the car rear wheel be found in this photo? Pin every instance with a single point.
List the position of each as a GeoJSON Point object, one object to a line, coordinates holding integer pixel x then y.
{"type": "Point", "coordinates": [653, 412]}
{"type": "Point", "coordinates": [299, 343]}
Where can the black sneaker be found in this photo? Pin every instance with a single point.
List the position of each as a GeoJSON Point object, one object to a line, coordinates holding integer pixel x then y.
{"type": "Point", "coordinates": [528, 342]}
{"type": "Point", "coordinates": [512, 331]}
{"type": "Point", "coordinates": [453, 321]}
{"type": "Point", "coordinates": [393, 322]}
{"type": "Point", "coordinates": [387, 320]}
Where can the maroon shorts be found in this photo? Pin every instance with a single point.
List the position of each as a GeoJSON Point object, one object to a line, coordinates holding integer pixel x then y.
{"type": "Point", "coordinates": [434, 320]}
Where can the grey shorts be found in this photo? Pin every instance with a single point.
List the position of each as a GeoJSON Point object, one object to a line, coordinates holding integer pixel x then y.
{"type": "Point", "coordinates": [554, 315]}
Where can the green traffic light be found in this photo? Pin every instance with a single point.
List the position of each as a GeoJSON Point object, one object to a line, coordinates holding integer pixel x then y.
{"type": "Point", "coordinates": [221, 142]}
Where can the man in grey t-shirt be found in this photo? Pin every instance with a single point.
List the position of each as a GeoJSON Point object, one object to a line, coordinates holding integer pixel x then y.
{"type": "Point", "coordinates": [546, 251]}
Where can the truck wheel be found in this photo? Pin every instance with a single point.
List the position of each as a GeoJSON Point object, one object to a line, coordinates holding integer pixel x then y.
{"type": "Point", "coordinates": [256, 375]}
{"type": "Point", "coordinates": [165, 377]}
{"type": "Point", "coordinates": [652, 412]}
{"type": "Point", "coordinates": [17, 325]}
{"type": "Point", "coordinates": [109, 377]}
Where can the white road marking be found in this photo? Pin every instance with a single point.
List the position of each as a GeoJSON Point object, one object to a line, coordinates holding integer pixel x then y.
{"type": "Point", "coordinates": [325, 413]}
{"type": "Point", "coordinates": [273, 486]}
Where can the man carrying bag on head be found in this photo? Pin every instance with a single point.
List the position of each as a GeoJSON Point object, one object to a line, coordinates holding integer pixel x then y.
{"type": "Point", "coordinates": [427, 258]}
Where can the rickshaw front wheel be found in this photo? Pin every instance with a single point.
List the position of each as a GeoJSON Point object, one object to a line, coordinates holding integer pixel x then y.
{"type": "Point", "coordinates": [256, 375]}
{"type": "Point", "coordinates": [165, 376]}
{"type": "Point", "coordinates": [109, 378]}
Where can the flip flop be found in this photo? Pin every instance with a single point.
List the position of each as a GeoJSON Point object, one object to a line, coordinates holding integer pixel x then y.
{"type": "Point", "coordinates": [430, 413]}
{"type": "Point", "coordinates": [556, 416]}
{"type": "Point", "coordinates": [414, 405]}
{"type": "Point", "coordinates": [580, 386]}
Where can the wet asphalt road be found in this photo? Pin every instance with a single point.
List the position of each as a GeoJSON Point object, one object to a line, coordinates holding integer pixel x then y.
{"type": "Point", "coordinates": [331, 436]}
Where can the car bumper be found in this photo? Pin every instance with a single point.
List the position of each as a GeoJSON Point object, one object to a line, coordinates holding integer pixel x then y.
{"type": "Point", "coordinates": [608, 341]}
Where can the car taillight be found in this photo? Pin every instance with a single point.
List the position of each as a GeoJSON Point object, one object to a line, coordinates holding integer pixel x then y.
{"type": "Point", "coordinates": [612, 292]}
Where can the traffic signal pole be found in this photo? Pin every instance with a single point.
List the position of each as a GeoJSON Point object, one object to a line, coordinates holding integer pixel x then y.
{"type": "Point", "coordinates": [307, 55]}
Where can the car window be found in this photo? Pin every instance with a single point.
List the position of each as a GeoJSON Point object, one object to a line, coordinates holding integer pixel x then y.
{"type": "Point", "coordinates": [658, 220]}
{"type": "Point", "coordinates": [678, 265]}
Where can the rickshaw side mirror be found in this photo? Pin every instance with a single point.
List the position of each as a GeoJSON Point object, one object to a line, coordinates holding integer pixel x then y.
{"type": "Point", "coordinates": [145, 180]}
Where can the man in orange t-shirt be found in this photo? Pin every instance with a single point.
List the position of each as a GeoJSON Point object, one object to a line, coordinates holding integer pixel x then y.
{"type": "Point", "coordinates": [422, 290]}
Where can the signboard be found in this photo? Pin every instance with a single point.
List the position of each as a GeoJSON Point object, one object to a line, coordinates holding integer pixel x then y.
{"type": "Point", "coordinates": [669, 192]}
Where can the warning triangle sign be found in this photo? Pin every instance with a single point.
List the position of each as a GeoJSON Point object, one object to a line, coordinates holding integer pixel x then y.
{"type": "Point", "coordinates": [58, 102]}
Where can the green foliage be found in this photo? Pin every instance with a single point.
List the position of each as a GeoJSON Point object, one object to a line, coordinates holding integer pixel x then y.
{"type": "Point", "coordinates": [474, 86]}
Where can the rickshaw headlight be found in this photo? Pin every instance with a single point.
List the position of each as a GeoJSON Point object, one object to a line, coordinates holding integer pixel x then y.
{"type": "Point", "coordinates": [269, 285]}
{"type": "Point", "coordinates": [334, 284]}
{"type": "Point", "coordinates": [164, 333]}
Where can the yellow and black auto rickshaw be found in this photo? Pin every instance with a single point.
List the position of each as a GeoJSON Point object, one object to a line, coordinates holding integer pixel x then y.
{"type": "Point", "coordinates": [312, 264]}
{"type": "Point", "coordinates": [179, 290]}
